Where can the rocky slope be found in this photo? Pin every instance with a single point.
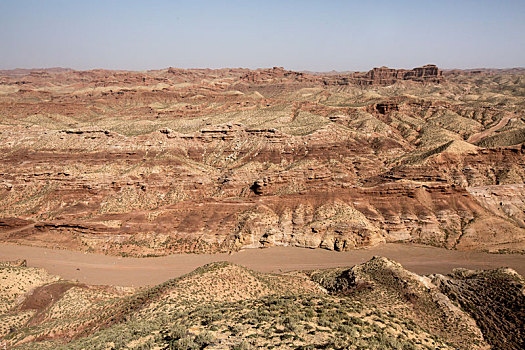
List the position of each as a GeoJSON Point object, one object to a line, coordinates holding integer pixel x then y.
{"type": "Point", "coordinates": [156, 162]}
{"type": "Point", "coordinates": [375, 305]}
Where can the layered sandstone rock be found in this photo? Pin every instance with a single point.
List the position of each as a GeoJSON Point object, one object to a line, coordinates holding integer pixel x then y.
{"type": "Point", "coordinates": [388, 76]}
{"type": "Point", "coordinates": [218, 160]}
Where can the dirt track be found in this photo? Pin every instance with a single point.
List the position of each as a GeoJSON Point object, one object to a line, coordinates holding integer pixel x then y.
{"type": "Point", "coordinates": [102, 269]}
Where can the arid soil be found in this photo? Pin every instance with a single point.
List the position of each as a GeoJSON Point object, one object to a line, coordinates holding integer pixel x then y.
{"type": "Point", "coordinates": [176, 161]}
{"type": "Point", "coordinates": [107, 270]}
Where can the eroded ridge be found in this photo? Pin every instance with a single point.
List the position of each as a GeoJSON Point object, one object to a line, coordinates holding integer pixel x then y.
{"type": "Point", "coordinates": [174, 160]}
{"type": "Point", "coordinates": [377, 304]}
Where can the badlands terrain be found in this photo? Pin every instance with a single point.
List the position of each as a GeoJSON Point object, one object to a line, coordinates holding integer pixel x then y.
{"type": "Point", "coordinates": [106, 176]}
{"type": "Point", "coordinates": [203, 161]}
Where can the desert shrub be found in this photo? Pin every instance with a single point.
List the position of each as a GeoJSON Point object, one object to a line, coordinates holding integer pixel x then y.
{"type": "Point", "coordinates": [268, 333]}
{"type": "Point", "coordinates": [185, 343]}
{"type": "Point", "coordinates": [344, 328]}
{"type": "Point", "coordinates": [324, 321]}
{"type": "Point", "coordinates": [291, 323]}
{"type": "Point", "coordinates": [210, 317]}
{"type": "Point", "coordinates": [236, 329]}
{"type": "Point", "coordinates": [205, 338]}
{"type": "Point", "coordinates": [243, 345]}
{"type": "Point", "coordinates": [178, 331]}
{"type": "Point", "coordinates": [356, 320]}
{"type": "Point", "coordinates": [286, 336]}
{"type": "Point", "coordinates": [409, 346]}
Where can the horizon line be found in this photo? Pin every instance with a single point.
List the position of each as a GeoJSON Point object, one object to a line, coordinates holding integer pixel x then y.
{"type": "Point", "coordinates": [253, 69]}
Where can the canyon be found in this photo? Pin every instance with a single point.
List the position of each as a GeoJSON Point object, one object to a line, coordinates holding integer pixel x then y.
{"type": "Point", "coordinates": [131, 204]}
{"type": "Point", "coordinates": [204, 161]}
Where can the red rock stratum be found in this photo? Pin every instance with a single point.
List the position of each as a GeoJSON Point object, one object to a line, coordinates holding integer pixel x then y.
{"type": "Point", "coordinates": [173, 160]}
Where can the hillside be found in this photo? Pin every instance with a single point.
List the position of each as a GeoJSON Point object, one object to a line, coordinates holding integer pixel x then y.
{"type": "Point", "coordinates": [374, 305]}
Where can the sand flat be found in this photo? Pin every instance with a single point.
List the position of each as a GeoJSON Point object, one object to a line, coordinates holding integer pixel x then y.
{"type": "Point", "coordinates": [110, 270]}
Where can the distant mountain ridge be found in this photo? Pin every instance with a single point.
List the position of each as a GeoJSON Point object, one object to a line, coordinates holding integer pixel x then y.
{"type": "Point", "coordinates": [20, 72]}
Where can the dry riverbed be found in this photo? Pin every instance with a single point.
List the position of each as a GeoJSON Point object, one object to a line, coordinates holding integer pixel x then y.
{"type": "Point", "coordinates": [110, 270]}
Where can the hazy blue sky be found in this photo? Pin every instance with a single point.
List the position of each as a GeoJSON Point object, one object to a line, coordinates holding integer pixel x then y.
{"type": "Point", "coordinates": [300, 35]}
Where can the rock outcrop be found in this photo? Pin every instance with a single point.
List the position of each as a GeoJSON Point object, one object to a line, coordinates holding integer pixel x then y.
{"type": "Point", "coordinates": [387, 76]}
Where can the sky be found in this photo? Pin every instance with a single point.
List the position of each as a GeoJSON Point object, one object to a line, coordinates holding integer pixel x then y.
{"type": "Point", "coordinates": [299, 35]}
